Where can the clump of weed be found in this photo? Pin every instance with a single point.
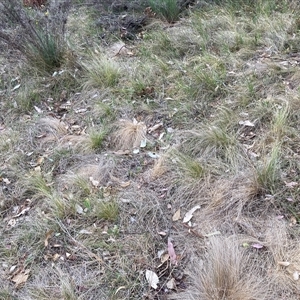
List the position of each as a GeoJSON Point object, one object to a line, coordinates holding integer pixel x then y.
{"type": "Point", "coordinates": [38, 35]}
{"type": "Point", "coordinates": [169, 10]}
{"type": "Point", "coordinates": [107, 210]}
{"type": "Point", "coordinates": [228, 273]}
{"type": "Point", "coordinates": [129, 134]}
{"type": "Point", "coordinates": [212, 142]}
{"type": "Point", "coordinates": [101, 72]}
{"type": "Point", "coordinates": [268, 171]}
{"type": "Point", "coordinates": [97, 139]}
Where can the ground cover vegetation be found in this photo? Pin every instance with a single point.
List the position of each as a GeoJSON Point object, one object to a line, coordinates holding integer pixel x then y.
{"type": "Point", "coordinates": [149, 149]}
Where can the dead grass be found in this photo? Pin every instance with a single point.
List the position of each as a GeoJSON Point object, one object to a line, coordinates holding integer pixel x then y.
{"type": "Point", "coordinates": [129, 134]}
{"type": "Point", "coordinates": [228, 273]}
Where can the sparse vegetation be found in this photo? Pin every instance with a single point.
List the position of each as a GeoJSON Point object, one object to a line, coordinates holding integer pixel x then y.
{"type": "Point", "coordinates": [151, 154]}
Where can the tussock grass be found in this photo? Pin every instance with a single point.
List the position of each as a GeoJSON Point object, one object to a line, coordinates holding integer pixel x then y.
{"type": "Point", "coordinates": [167, 9]}
{"type": "Point", "coordinates": [107, 210]}
{"type": "Point", "coordinates": [40, 37]}
{"type": "Point", "coordinates": [213, 142]}
{"type": "Point", "coordinates": [225, 275]}
{"type": "Point", "coordinates": [101, 72]}
{"type": "Point", "coordinates": [129, 134]}
{"type": "Point", "coordinates": [268, 173]}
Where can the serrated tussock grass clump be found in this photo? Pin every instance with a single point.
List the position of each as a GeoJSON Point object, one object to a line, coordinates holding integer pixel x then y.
{"type": "Point", "coordinates": [268, 170]}
{"type": "Point", "coordinates": [212, 142]}
{"type": "Point", "coordinates": [190, 167]}
{"type": "Point", "coordinates": [107, 210]}
{"type": "Point", "coordinates": [101, 72]}
{"type": "Point", "coordinates": [129, 134]}
{"type": "Point", "coordinates": [228, 273]}
{"type": "Point", "coordinates": [38, 35]}
{"type": "Point", "coordinates": [169, 10]}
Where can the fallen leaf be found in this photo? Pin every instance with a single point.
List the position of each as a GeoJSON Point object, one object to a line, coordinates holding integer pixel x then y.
{"type": "Point", "coordinates": [21, 277]}
{"type": "Point", "coordinates": [296, 275]}
{"type": "Point", "coordinates": [79, 209]}
{"type": "Point", "coordinates": [153, 154]}
{"type": "Point", "coordinates": [56, 257]}
{"type": "Point", "coordinates": [162, 233]}
{"type": "Point", "coordinates": [12, 268]}
{"type": "Point", "coordinates": [48, 236]}
{"type": "Point", "coordinates": [171, 252]}
{"type": "Point", "coordinates": [164, 257]}
{"type": "Point", "coordinates": [152, 279]}
{"type": "Point", "coordinates": [247, 123]}
{"type": "Point", "coordinates": [189, 214]}
{"type": "Point", "coordinates": [143, 143]}
{"type": "Point", "coordinates": [39, 111]}
{"type": "Point", "coordinates": [257, 246]}
{"type": "Point", "coordinates": [94, 182]}
{"type": "Point", "coordinates": [176, 216]}
{"type": "Point", "coordinates": [40, 160]}
{"type": "Point", "coordinates": [293, 221]}
{"type": "Point", "coordinates": [16, 87]}
{"type": "Point", "coordinates": [171, 284]}
{"type": "Point", "coordinates": [290, 184]}
{"type": "Point", "coordinates": [283, 263]}
{"type": "Point", "coordinates": [6, 181]}
{"type": "Point", "coordinates": [12, 223]}
{"type": "Point", "coordinates": [160, 253]}
{"type": "Point", "coordinates": [84, 231]}
{"type": "Point", "coordinates": [125, 184]}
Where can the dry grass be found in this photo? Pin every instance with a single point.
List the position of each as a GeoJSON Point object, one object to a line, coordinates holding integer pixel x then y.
{"type": "Point", "coordinates": [227, 273]}
{"type": "Point", "coordinates": [129, 134]}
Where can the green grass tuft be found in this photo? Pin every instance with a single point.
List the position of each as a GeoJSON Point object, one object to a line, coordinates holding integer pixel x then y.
{"type": "Point", "coordinates": [169, 10]}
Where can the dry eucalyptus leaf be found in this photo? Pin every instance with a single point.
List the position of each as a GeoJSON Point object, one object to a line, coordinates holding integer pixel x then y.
{"type": "Point", "coordinates": [160, 253]}
{"type": "Point", "coordinates": [94, 182]}
{"type": "Point", "coordinates": [84, 231]}
{"type": "Point", "coordinates": [21, 277]}
{"type": "Point", "coordinates": [164, 257]}
{"type": "Point", "coordinates": [176, 216]}
{"type": "Point", "coordinates": [283, 263]}
{"type": "Point", "coordinates": [171, 252]}
{"type": "Point", "coordinates": [190, 213]}
{"type": "Point", "coordinates": [257, 246]}
{"type": "Point", "coordinates": [171, 284]}
{"type": "Point", "coordinates": [125, 184]}
{"type": "Point", "coordinates": [296, 275]}
{"type": "Point", "coordinates": [247, 123]}
{"type": "Point", "coordinates": [152, 279]}
{"type": "Point", "coordinates": [56, 256]}
{"type": "Point", "coordinates": [291, 184]}
{"type": "Point", "coordinates": [48, 236]}
{"type": "Point", "coordinates": [79, 209]}
{"type": "Point", "coordinates": [143, 143]}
